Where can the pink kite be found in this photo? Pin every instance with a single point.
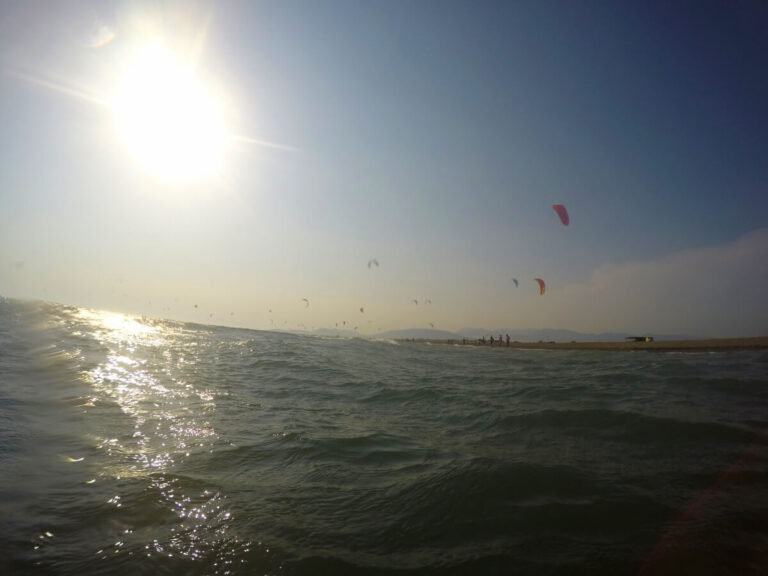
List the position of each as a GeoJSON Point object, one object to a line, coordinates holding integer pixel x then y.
{"type": "Point", "coordinates": [562, 212]}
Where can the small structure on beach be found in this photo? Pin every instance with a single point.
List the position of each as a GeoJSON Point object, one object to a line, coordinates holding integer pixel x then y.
{"type": "Point", "coordinates": [639, 338]}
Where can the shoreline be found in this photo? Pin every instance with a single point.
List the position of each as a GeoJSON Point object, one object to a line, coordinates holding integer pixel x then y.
{"type": "Point", "coordinates": [754, 343]}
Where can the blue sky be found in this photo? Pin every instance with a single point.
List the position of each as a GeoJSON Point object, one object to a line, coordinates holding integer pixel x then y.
{"type": "Point", "coordinates": [433, 136]}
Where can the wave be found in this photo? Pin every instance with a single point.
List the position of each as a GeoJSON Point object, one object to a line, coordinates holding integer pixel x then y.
{"type": "Point", "coordinates": [199, 450]}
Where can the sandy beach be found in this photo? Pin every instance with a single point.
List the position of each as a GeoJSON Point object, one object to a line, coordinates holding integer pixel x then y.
{"type": "Point", "coordinates": [660, 345]}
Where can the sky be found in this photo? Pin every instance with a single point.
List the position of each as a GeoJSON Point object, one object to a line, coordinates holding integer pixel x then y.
{"type": "Point", "coordinates": [221, 162]}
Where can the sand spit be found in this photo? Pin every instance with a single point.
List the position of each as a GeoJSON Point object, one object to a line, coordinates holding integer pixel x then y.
{"type": "Point", "coordinates": [660, 345]}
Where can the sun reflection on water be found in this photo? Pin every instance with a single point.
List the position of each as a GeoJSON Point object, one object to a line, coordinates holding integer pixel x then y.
{"type": "Point", "coordinates": [112, 327]}
{"type": "Point", "coordinates": [148, 374]}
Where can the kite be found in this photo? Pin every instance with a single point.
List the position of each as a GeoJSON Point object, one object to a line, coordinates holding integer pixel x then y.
{"type": "Point", "coordinates": [515, 281]}
{"type": "Point", "coordinates": [373, 262]}
{"type": "Point", "coordinates": [562, 212]}
{"type": "Point", "coordinates": [307, 302]}
{"type": "Point", "coordinates": [542, 286]}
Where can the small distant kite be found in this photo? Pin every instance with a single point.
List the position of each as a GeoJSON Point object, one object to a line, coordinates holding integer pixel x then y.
{"type": "Point", "coordinates": [415, 301]}
{"type": "Point", "coordinates": [562, 212]}
{"type": "Point", "coordinates": [306, 305]}
{"type": "Point", "coordinates": [515, 281]}
{"type": "Point", "coordinates": [373, 262]}
{"type": "Point", "coordinates": [427, 301]}
{"type": "Point", "coordinates": [431, 324]}
{"type": "Point", "coordinates": [362, 310]}
{"type": "Point", "coordinates": [542, 286]}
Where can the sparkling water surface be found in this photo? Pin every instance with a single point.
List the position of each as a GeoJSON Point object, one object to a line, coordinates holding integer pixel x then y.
{"type": "Point", "coordinates": [142, 446]}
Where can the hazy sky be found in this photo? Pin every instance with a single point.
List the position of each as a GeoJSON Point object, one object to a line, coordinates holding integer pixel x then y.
{"type": "Point", "coordinates": [219, 162]}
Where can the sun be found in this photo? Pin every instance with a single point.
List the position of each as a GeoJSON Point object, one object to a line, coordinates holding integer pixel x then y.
{"type": "Point", "coordinates": [166, 119]}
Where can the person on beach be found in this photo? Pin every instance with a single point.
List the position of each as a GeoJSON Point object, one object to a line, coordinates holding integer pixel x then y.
{"type": "Point", "coordinates": [507, 340]}
{"type": "Point", "coordinates": [491, 340]}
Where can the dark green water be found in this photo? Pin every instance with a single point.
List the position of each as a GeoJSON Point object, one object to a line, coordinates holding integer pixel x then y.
{"type": "Point", "coordinates": [140, 446]}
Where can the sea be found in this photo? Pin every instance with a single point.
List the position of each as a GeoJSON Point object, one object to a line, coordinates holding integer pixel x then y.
{"type": "Point", "coordinates": [137, 445]}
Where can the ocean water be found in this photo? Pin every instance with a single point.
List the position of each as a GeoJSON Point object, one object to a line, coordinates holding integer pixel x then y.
{"type": "Point", "coordinates": [133, 445]}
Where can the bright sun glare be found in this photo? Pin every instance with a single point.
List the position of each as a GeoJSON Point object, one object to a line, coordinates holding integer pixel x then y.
{"type": "Point", "coordinates": [167, 119]}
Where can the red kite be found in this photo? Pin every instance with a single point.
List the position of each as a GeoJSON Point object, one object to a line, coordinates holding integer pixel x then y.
{"type": "Point", "coordinates": [562, 212]}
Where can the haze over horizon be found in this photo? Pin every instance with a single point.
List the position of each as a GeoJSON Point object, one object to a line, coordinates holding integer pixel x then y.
{"type": "Point", "coordinates": [243, 163]}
